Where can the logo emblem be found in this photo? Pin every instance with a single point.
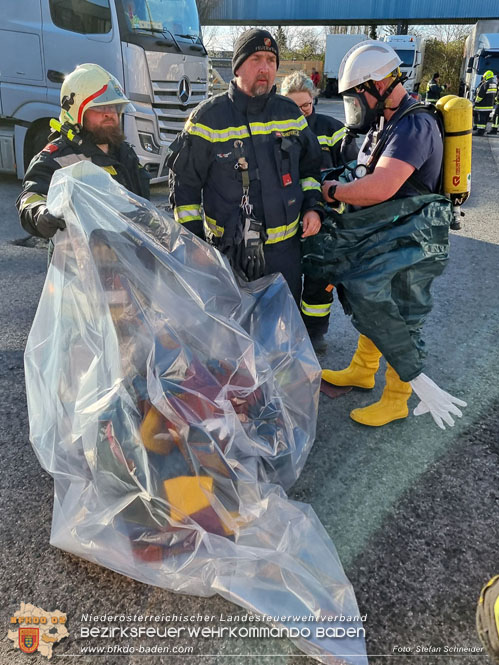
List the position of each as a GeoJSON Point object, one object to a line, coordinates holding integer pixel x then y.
{"type": "Point", "coordinates": [267, 41]}
{"type": "Point", "coordinates": [29, 638]}
{"type": "Point", "coordinates": [456, 180]}
{"type": "Point", "coordinates": [34, 629]}
{"type": "Point", "coordinates": [184, 90]}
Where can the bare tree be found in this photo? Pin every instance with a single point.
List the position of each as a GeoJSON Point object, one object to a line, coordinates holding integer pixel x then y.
{"type": "Point", "coordinates": [451, 33]}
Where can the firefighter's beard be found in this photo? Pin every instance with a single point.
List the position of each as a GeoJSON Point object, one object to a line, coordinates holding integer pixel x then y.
{"type": "Point", "coordinates": [260, 88]}
{"type": "Point", "coordinates": [111, 134]}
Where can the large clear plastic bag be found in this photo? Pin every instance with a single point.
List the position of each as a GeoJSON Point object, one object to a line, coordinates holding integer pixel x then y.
{"type": "Point", "coordinates": [172, 409]}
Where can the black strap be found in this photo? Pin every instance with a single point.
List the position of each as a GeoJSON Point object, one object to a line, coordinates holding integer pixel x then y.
{"type": "Point", "coordinates": [414, 179]}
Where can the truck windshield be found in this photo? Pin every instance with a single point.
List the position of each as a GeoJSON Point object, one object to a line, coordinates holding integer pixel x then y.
{"type": "Point", "coordinates": [407, 57]}
{"type": "Point", "coordinates": [180, 17]}
{"type": "Point", "coordinates": [489, 61]}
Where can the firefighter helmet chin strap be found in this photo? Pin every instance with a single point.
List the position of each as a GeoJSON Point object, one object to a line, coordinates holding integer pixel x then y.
{"type": "Point", "coordinates": [381, 98]}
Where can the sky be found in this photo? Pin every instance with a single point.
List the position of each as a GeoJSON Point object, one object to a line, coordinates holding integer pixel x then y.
{"type": "Point", "coordinates": [222, 37]}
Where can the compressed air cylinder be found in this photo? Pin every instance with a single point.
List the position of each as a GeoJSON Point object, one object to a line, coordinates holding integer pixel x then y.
{"type": "Point", "coordinates": [457, 113]}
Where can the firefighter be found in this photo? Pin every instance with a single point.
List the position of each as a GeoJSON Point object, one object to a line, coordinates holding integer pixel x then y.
{"type": "Point", "coordinates": [408, 164]}
{"type": "Point", "coordinates": [92, 105]}
{"type": "Point", "coordinates": [484, 101]}
{"type": "Point", "coordinates": [495, 115]}
{"type": "Point", "coordinates": [434, 90]}
{"type": "Point", "coordinates": [317, 295]}
{"type": "Point", "coordinates": [245, 170]}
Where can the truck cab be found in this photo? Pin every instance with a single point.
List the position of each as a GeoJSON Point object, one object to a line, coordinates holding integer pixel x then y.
{"type": "Point", "coordinates": [153, 47]}
{"type": "Point", "coordinates": [485, 58]}
{"type": "Point", "coordinates": [410, 49]}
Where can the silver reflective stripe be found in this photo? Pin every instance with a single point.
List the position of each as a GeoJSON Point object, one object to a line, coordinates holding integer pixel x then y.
{"type": "Point", "coordinates": [279, 233]}
{"type": "Point", "coordinates": [315, 310]}
{"type": "Point", "coordinates": [189, 213]}
{"type": "Point", "coordinates": [67, 160]}
{"type": "Point", "coordinates": [332, 140]}
{"type": "Point", "coordinates": [309, 183]}
{"type": "Point", "coordinates": [212, 227]}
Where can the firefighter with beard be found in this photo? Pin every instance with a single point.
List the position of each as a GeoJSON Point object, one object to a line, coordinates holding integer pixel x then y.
{"type": "Point", "coordinates": [245, 170]}
{"type": "Point", "coordinates": [92, 102]}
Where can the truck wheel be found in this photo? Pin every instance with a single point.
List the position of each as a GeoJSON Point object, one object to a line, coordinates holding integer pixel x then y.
{"type": "Point", "coordinates": [36, 140]}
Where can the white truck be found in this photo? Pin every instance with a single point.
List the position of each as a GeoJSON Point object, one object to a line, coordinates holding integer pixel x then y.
{"type": "Point", "coordinates": [410, 49]}
{"type": "Point", "coordinates": [153, 47]}
{"type": "Point", "coordinates": [481, 53]}
{"type": "Point", "coordinates": [336, 47]}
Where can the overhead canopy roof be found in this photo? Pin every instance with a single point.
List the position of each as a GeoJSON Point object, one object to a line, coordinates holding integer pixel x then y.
{"type": "Point", "coordinates": [347, 12]}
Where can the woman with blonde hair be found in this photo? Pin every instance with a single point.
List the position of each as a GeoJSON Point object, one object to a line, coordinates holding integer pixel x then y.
{"type": "Point", "coordinates": [317, 297]}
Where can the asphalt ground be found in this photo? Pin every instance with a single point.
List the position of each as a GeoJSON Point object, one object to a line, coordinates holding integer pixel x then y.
{"type": "Point", "coordinates": [412, 510]}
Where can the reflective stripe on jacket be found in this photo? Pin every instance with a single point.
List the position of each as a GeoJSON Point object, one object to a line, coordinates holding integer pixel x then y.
{"type": "Point", "coordinates": [485, 95]}
{"type": "Point", "coordinates": [330, 133]}
{"type": "Point", "coordinates": [269, 135]}
{"type": "Point", "coordinates": [122, 164]}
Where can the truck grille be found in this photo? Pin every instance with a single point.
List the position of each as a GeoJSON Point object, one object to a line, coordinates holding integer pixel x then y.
{"type": "Point", "coordinates": [171, 113]}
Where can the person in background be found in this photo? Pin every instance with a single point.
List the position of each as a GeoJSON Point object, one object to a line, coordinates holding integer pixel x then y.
{"type": "Point", "coordinates": [316, 79]}
{"type": "Point", "coordinates": [485, 97]}
{"type": "Point", "coordinates": [434, 90]}
{"type": "Point", "coordinates": [495, 115]}
{"type": "Point", "coordinates": [317, 296]}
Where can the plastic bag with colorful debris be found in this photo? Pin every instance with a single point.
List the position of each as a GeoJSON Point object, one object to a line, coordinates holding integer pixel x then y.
{"type": "Point", "coordinates": [172, 409]}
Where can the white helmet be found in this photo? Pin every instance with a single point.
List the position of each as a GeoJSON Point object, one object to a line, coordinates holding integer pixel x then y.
{"type": "Point", "coordinates": [366, 61]}
{"type": "Point", "coordinates": [88, 86]}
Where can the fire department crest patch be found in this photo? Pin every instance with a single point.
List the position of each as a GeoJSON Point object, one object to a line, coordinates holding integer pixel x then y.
{"type": "Point", "coordinates": [29, 638]}
{"type": "Point", "coordinates": [33, 629]}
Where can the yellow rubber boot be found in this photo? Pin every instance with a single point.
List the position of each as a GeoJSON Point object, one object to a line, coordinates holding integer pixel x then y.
{"type": "Point", "coordinates": [363, 366]}
{"type": "Point", "coordinates": [391, 406]}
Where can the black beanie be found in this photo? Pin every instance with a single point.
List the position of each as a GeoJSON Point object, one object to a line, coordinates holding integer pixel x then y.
{"type": "Point", "coordinates": [250, 42]}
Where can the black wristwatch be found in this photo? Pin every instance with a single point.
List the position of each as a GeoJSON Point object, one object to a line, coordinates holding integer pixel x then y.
{"type": "Point", "coordinates": [331, 192]}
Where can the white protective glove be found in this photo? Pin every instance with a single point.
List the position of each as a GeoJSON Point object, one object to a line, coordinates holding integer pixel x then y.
{"type": "Point", "coordinates": [435, 400]}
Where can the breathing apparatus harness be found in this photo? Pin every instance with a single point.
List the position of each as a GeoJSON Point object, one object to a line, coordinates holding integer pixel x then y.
{"type": "Point", "coordinates": [249, 259]}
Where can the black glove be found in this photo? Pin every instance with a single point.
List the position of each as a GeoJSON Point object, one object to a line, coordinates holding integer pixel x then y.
{"type": "Point", "coordinates": [252, 259]}
{"type": "Point", "coordinates": [233, 253]}
{"type": "Point", "coordinates": [47, 224]}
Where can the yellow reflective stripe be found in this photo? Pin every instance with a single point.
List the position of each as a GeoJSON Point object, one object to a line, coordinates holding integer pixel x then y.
{"type": "Point", "coordinates": [278, 126]}
{"type": "Point", "coordinates": [216, 135]}
{"type": "Point", "coordinates": [309, 183]}
{"type": "Point", "coordinates": [211, 225]}
{"type": "Point", "coordinates": [183, 214]}
{"type": "Point", "coordinates": [279, 233]}
{"type": "Point", "coordinates": [32, 198]}
{"type": "Point", "coordinates": [110, 169]}
{"type": "Point", "coordinates": [315, 310]}
{"type": "Point", "coordinates": [332, 140]}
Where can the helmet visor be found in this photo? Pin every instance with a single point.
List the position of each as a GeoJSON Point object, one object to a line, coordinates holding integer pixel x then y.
{"type": "Point", "coordinates": [114, 108]}
{"type": "Point", "coordinates": [354, 110]}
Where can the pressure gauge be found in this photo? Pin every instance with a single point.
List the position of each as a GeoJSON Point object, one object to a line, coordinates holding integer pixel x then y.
{"type": "Point", "coordinates": [360, 171]}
